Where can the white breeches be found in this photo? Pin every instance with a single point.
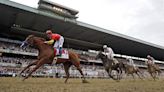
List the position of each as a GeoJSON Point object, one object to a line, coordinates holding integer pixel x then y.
{"type": "Point", "coordinates": [59, 43]}
{"type": "Point", "coordinates": [109, 55]}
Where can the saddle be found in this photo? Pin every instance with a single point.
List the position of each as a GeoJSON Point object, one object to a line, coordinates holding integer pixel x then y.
{"type": "Point", "coordinates": [64, 54]}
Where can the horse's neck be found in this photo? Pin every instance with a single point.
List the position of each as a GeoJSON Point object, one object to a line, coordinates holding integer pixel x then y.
{"type": "Point", "coordinates": [150, 65]}
{"type": "Point", "coordinates": [41, 39]}
{"type": "Point", "coordinates": [128, 66]}
{"type": "Point", "coordinates": [40, 45]}
{"type": "Point", "coordinates": [106, 61]}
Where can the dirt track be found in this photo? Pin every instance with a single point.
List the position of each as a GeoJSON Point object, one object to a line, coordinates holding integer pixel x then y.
{"type": "Point", "coordinates": [75, 85]}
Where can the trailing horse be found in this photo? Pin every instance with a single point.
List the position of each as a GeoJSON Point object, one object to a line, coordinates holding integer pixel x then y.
{"type": "Point", "coordinates": [129, 69]}
{"type": "Point", "coordinates": [46, 56]}
{"type": "Point", "coordinates": [109, 66]}
{"type": "Point", "coordinates": [153, 70]}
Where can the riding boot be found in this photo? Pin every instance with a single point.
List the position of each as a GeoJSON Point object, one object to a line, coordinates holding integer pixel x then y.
{"type": "Point", "coordinates": [60, 51]}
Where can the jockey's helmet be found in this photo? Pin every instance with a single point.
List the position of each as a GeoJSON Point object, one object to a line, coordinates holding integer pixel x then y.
{"type": "Point", "coordinates": [105, 46]}
{"type": "Point", "coordinates": [148, 56]}
{"type": "Point", "coordinates": [48, 32]}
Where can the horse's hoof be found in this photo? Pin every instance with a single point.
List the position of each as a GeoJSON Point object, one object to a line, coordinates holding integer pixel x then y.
{"type": "Point", "coordinates": [23, 79]}
{"type": "Point", "coordinates": [117, 80]}
{"type": "Point", "coordinates": [85, 81]}
{"type": "Point", "coordinates": [142, 79]}
{"type": "Point", "coordinates": [20, 76]}
{"type": "Point", "coordinates": [65, 82]}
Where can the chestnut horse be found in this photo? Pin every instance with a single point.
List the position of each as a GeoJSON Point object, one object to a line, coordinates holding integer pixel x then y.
{"type": "Point", "coordinates": [46, 56]}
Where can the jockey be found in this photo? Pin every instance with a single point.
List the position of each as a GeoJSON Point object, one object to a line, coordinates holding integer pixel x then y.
{"type": "Point", "coordinates": [59, 40]}
{"type": "Point", "coordinates": [131, 62]}
{"type": "Point", "coordinates": [150, 59]}
{"type": "Point", "coordinates": [109, 53]}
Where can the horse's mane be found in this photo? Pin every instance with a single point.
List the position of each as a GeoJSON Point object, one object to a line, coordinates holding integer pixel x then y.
{"type": "Point", "coordinates": [42, 39]}
{"type": "Point", "coordinates": [102, 54]}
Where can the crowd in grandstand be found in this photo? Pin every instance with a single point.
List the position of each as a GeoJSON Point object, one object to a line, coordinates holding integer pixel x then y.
{"type": "Point", "coordinates": [13, 65]}
{"type": "Point", "coordinates": [16, 47]}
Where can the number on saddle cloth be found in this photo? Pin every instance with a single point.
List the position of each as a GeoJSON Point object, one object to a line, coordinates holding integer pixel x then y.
{"type": "Point", "coordinates": [64, 54]}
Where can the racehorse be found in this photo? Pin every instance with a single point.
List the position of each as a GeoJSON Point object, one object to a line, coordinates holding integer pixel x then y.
{"type": "Point", "coordinates": [46, 56]}
{"type": "Point", "coordinates": [129, 69]}
{"type": "Point", "coordinates": [109, 66]}
{"type": "Point", "coordinates": [153, 70]}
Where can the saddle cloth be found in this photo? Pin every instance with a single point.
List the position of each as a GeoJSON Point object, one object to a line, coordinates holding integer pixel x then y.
{"type": "Point", "coordinates": [64, 55]}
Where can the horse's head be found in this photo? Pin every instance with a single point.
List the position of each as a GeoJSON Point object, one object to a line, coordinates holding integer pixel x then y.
{"type": "Point", "coordinates": [124, 64]}
{"type": "Point", "coordinates": [101, 55]}
{"type": "Point", "coordinates": [28, 41]}
{"type": "Point", "coordinates": [33, 41]}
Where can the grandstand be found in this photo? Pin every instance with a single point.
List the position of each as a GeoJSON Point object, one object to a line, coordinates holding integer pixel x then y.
{"type": "Point", "coordinates": [18, 21]}
{"type": "Point", "coordinates": [14, 58]}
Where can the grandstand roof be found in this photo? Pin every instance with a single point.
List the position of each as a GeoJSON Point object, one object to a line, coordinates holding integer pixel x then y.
{"type": "Point", "coordinates": [19, 21]}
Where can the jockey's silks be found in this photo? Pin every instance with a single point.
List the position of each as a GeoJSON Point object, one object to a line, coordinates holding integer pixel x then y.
{"type": "Point", "coordinates": [55, 37]}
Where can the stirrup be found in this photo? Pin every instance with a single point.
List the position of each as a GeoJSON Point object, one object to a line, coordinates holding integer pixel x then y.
{"type": "Point", "coordinates": [58, 55]}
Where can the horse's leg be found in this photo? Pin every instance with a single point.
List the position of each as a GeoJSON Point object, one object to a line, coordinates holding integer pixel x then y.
{"type": "Point", "coordinates": [109, 73]}
{"type": "Point", "coordinates": [33, 63]}
{"type": "Point", "coordinates": [126, 75]}
{"type": "Point", "coordinates": [75, 61]}
{"type": "Point", "coordinates": [107, 70]}
{"type": "Point", "coordinates": [152, 75]}
{"type": "Point", "coordinates": [27, 71]}
{"type": "Point", "coordinates": [138, 75]}
{"type": "Point", "coordinates": [159, 72]}
{"type": "Point", "coordinates": [119, 74]}
{"type": "Point", "coordinates": [133, 76]}
{"type": "Point", "coordinates": [40, 63]}
{"type": "Point", "coordinates": [156, 74]}
{"type": "Point", "coordinates": [66, 68]}
{"type": "Point", "coordinates": [141, 73]}
{"type": "Point", "coordinates": [84, 81]}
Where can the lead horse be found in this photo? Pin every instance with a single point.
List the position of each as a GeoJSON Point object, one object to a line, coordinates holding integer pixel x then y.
{"type": "Point", "coordinates": [107, 63]}
{"type": "Point", "coordinates": [46, 56]}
